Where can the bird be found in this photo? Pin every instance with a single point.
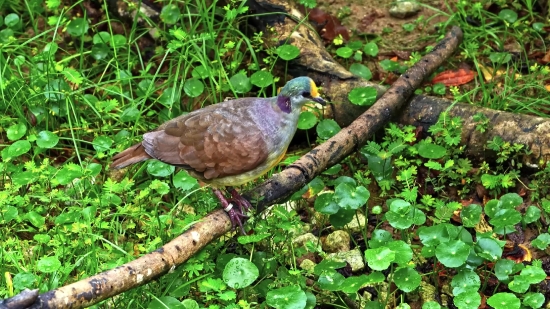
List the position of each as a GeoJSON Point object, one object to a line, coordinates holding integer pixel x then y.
{"type": "Point", "coordinates": [230, 143]}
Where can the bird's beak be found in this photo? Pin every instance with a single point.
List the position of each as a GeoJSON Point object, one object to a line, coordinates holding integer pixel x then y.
{"type": "Point", "coordinates": [319, 100]}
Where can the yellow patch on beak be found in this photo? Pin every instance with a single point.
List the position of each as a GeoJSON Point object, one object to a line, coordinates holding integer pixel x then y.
{"type": "Point", "coordinates": [314, 92]}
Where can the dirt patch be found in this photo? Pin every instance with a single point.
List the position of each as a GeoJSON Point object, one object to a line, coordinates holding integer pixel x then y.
{"type": "Point", "coordinates": [372, 18]}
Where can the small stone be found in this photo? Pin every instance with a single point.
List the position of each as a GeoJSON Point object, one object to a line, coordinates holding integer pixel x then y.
{"type": "Point", "coordinates": [353, 257]}
{"type": "Point", "coordinates": [358, 223]}
{"type": "Point", "coordinates": [308, 265]}
{"type": "Point", "coordinates": [404, 9]}
{"type": "Point", "coordinates": [337, 241]}
{"type": "Point", "coordinates": [303, 239]}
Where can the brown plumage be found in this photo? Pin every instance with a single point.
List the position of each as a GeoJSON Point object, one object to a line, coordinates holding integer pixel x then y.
{"type": "Point", "coordinates": [229, 143]}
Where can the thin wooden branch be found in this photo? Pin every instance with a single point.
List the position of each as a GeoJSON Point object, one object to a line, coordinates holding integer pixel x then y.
{"type": "Point", "coordinates": [282, 185]}
{"type": "Point", "coordinates": [92, 290]}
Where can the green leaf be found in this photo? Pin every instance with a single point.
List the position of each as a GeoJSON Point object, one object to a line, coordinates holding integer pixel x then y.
{"type": "Point", "coordinates": [532, 214]}
{"type": "Point", "coordinates": [240, 273]}
{"type": "Point", "coordinates": [78, 27]}
{"type": "Point", "coordinates": [504, 301]}
{"type": "Point", "coordinates": [431, 151]}
{"type": "Point", "coordinates": [102, 37]}
{"type": "Point", "coordinates": [240, 83]}
{"type": "Point", "coordinates": [170, 14]}
{"type": "Point", "coordinates": [164, 302]}
{"type": "Point", "coordinates": [342, 217]}
{"type": "Point", "coordinates": [488, 249]}
{"type": "Point", "coordinates": [102, 143]}
{"type": "Point", "coordinates": [325, 204]}
{"type": "Point", "coordinates": [469, 300]}
{"type": "Point", "coordinates": [542, 241]}
{"type": "Point", "coordinates": [406, 279]}
{"type": "Point", "coordinates": [327, 128]}
{"type": "Point", "coordinates": [432, 305]}
{"type": "Point", "coordinates": [503, 269]}
{"type": "Point", "coordinates": [379, 258]}
{"type": "Point", "coordinates": [130, 114]}
{"type": "Point", "coordinates": [508, 15]}
{"type": "Point", "coordinates": [511, 200]}
{"type": "Point", "coordinates": [100, 51]}
{"type": "Point", "coordinates": [73, 76]}
{"type": "Point", "coordinates": [379, 238]}
{"type": "Point", "coordinates": [361, 71]}
{"type": "Point", "coordinates": [47, 139]}
{"type": "Point", "coordinates": [331, 281]}
{"type": "Point", "coordinates": [16, 131]}
{"type": "Point", "coordinates": [505, 217]}
{"type": "Point", "coordinates": [533, 300]}
{"type": "Point", "coordinates": [350, 198]}
{"type": "Point", "coordinates": [288, 52]}
{"type": "Point", "coordinates": [8, 213]}
{"type": "Point", "coordinates": [23, 281]}
{"type": "Point", "coordinates": [193, 87]}
{"type": "Point", "coordinates": [48, 264]}
{"type": "Point", "coordinates": [354, 283]}
{"type": "Point", "coordinates": [344, 52]}
{"type": "Point", "coordinates": [290, 297]}
{"type": "Point", "coordinates": [202, 71]}
{"type": "Point", "coordinates": [465, 281]}
{"type": "Point", "coordinates": [402, 250]}
{"type": "Point", "coordinates": [371, 49]}
{"type": "Point", "coordinates": [453, 253]}
{"type": "Point", "coordinates": [262, 79]}
{"type": "Point", "coordinates": [470, 215]}
{"type": "Point", "coordinates": [18, 148]}
{"type": "Point", "coordinates": [183, 181]}
{"type": "Point", "coordinates": [160, 169]}
{"type": "Point", "coordinates": [11, 20]}
{"type": "Point", "coordinates": [307, 120]}
{"type": "Point", "coordinates": [363, 96]}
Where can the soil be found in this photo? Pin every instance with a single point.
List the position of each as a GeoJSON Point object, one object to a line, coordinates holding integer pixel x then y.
{"type": "Point", "coordinates": [371, 18]}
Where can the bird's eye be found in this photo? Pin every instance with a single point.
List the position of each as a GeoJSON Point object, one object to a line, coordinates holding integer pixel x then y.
{"type": "Point", "coordinates": [306, 94]}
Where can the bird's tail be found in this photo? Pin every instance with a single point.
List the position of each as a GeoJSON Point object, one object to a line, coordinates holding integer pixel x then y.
{"type": "Point", "coordinates": [130, 156]}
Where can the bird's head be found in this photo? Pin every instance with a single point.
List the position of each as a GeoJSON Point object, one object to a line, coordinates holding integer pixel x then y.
{"type": "Point", "coordinates": [296, 93]}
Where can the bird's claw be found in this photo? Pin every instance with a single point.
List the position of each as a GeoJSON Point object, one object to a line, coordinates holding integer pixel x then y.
{"type": "Point", "coordinates": [234, 208]}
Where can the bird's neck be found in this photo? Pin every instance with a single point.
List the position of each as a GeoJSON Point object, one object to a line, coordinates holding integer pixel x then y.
{"type": "Point", "coordinates": [284, 104]}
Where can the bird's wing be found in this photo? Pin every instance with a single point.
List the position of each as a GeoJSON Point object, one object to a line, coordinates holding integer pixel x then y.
{"type": "Point", "coordinates": [214, 144]}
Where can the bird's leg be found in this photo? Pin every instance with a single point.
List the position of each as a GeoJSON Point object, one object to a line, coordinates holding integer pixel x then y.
{"type": "Point", "coordinates": [239, 200]}
{"type": "Point", "coordinates": [234, 215]}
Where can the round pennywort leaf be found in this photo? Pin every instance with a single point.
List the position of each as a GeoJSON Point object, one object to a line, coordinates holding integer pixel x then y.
{"type": "Point", "coordinates": [327, 128]}
{"type": "Point", "coordinates": [102, 143]}
{"type": "Point", "coordinates": [306, 121]}
{"type": "Point", "coordinates": [363, 96]}
{"type": "Point", "coordinates": [241, 83]}
{"type": "Point", "coordinates": [504, 301]}
{"type": "Point", "coordinates": [262, 79]}
{"type": "Point", "coordinates": [453, 253]}
{"type": "Point", "coordinates": [16, 131]}
{"type": "Point", "coordinates": [193, 87]}
{"type": "Point", "coordinates": [407, 279]}
{"type": "Point", "coordinates": [290, 297]}
{"type": "Point", "coordinates": [361, 71]}
{"type": "Point", "coordinates": [160, 169]}
{"type": "Point", "coordinates": [47, 139]}
{"type": "Point", "coordinates": [240, 273]}
{"type": "Point", "coordinates": [288, 52]}
{"type": "Point", "coordinates": [48, 264]}
{"type": "Point", "coordinates": [78, 27]}
{"type": "Point", "coordinates": [170, 14]}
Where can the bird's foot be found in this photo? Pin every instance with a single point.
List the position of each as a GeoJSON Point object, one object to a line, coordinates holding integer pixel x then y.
{"type": "Point", "coordinates": [235, 213]}
{"type": "Point", "coordinates": [239, 200]}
